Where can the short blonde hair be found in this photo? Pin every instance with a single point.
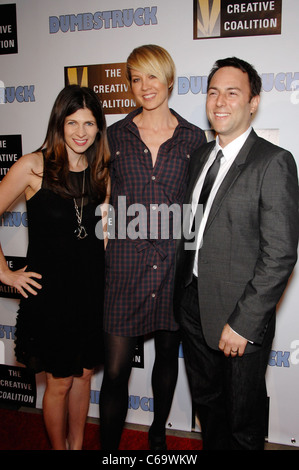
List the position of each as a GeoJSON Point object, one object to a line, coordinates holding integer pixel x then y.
{"type": "Point", "coordinates": [153, 60]}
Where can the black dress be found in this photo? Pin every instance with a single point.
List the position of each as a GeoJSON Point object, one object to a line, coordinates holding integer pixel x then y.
{"type": "Point", "coordinates": [60, 329]}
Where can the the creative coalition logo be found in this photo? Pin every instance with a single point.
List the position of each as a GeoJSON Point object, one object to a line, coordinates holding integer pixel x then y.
{"type": "Point", "coordinates": [8, 29]}
{"type": "Point", "coordinates": [109, 81]}
{"type": "Point", "coordinates": [234, 18]}
{"type": "Point", "coordinates": [10, 151]}
{"type": "Point", "coordinates": [14, 263]}
{"type": "Point", "coordinates": [17, 386]}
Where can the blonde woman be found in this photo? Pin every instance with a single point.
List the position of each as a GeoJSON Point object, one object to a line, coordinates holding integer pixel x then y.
{"type": "Point", "coordinates": [149, 162]}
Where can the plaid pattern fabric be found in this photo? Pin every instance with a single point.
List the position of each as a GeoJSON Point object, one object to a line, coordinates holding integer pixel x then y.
{"type": "Point", "coordinates": [139, 272]}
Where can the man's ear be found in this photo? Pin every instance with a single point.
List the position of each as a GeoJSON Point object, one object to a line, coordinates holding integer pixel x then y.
{"type": "Point", "coordinates": [254, 104]}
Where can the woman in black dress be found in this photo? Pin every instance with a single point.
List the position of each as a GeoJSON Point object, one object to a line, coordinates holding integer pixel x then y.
{"type": "Point", "coordinates": [59, 322]}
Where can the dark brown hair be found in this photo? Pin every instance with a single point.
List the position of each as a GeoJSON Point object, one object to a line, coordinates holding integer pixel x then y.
{"type": "Point", "coordinates": [255, 81]}
{"type": "Point", "coordinates": [56, 166]}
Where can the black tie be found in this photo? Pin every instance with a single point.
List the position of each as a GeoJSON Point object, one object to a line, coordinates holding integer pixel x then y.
{"type": "Point", "coordinates": [209, 179]}
{"type": "Point", "coordinates": [204, 195]}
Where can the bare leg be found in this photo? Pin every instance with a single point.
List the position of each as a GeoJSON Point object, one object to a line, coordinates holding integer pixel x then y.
{"type": "Point", "coordinates": [78, 405]}
{"type": "Point", "coordinates": [55, 405]}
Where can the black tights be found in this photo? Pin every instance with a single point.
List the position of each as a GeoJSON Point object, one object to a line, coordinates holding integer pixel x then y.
{"type": "Point", "coordinates": [119, 353]}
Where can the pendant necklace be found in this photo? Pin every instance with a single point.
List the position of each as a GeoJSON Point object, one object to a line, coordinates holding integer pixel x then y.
{"type": "Point", "coordinates": [81, 230]}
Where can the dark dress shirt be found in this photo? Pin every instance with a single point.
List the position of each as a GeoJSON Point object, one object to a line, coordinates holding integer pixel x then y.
{"type": "Point", "coordinates": [140, 263]}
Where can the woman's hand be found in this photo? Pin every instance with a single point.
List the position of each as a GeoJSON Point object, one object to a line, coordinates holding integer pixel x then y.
{"type": "Point", "coordinates": [21, 280]}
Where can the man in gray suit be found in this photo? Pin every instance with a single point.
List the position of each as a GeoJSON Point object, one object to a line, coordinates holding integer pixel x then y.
{"type": "Point", "coordinates": [227, 289]}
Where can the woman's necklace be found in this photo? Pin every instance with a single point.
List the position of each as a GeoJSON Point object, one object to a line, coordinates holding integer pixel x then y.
{"type": "Point", "coordinates": [80, 231]}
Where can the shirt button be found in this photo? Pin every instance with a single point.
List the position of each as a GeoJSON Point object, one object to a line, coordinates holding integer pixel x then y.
{"type": "Point", "coordinates": [153, 177]}
{"type": "Point", "coordinates": [153, 295]}
{"type": "Point", "coordinates": [145, 151]}
{"type": "Point", "coordinates": [154, 208]}
{"type": "Point", "coordinates": [188, 156]}
{"type": "Point", "coordinates": [155, 266]}
{"type": "Point", "coordinates": [118, 152]}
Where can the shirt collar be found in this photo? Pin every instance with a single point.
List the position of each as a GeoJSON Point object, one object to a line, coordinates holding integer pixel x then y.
{"type": "Point", "coordinates": [232, 149]}
{"type": "Point", "coordinates": [129, 118]}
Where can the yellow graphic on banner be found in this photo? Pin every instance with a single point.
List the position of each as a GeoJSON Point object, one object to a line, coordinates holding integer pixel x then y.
{"type": "Point", "coordinates": [78, 76]}
{"type": "Point", "coordinates": [207, 18]}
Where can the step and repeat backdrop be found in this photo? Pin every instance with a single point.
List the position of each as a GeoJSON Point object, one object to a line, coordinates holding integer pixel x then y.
{"type": "Point", "coordinates": [45, 45]}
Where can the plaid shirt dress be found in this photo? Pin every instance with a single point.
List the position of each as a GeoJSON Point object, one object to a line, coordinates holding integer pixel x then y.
{"type": "Point", "coordinates": [141, 248]}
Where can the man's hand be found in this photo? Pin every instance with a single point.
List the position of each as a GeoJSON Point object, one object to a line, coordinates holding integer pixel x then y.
{"type": "Point", "coordinates": [231, 343]}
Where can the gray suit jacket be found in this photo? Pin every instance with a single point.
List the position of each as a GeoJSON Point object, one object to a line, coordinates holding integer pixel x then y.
{"type": "Point", "coordinates": [249, 245]}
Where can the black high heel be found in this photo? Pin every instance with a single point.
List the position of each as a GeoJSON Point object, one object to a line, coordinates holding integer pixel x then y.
{"type": "Point", "coordinates": [156, 442]}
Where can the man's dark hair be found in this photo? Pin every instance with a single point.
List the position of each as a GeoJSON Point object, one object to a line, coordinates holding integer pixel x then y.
{"type": "Point", "coordinates": [255, 81]}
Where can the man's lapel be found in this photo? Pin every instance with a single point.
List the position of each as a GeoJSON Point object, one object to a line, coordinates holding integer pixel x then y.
{"type": "Point", "coordinates": [197, 167]}
{"type": "Point", "coordinates": [231, 176]}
